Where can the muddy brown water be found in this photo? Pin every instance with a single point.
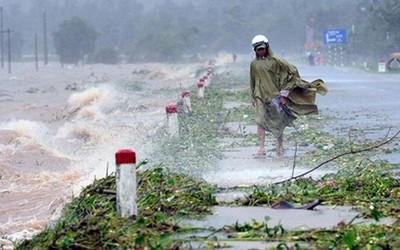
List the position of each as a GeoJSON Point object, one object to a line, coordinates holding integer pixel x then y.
{"type": "Point", "coordinates": [60, 129]}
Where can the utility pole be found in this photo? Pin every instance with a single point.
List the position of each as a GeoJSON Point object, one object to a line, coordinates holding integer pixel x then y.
{"type": "Point", "coordinates": [36, 53]}
{"type": "Point", "coordinates": [1, 37]}
{"type": "Point", "coordinates": [9, 48]}
{"type": "Point", "coordinates": [45, 38]}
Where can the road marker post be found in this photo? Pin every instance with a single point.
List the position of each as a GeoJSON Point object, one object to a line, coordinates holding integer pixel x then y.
{"type": "Point", "coordinates": [382, 66]}
{"type": "Point", "coordinates": [206, 80]}
{"type": "Point", "coordinates": [125, 160]}
{"type": "Point", "coordinates": [172, 120]}
{"type": "Point", "coordinates": [187, 107]}
{"type": "Point", "coordinates": [200, 87]}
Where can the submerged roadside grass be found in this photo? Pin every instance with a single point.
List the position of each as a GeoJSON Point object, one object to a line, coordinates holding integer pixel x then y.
{"type": "Point", "coordinates": [169, 192]}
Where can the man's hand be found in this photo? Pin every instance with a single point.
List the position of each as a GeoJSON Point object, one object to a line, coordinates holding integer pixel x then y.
{"type": "Point", "coordinates": [253, 101]}
{"type": "Point", "coordinates": [283, 101]}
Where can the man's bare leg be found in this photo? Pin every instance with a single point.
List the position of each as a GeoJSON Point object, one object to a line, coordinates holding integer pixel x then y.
{"type": "Point", "coordinates": [261, 140]}
{"type": "Point", "coordinates": [279, 146]}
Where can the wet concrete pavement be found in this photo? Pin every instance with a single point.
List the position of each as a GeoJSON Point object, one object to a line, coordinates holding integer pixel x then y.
{"type": "Point", "coordinates": [366, 103]}
{"type": "Point", "coordinates": [240, 168]}
{"type": "Point", "coordinates": [358, 100]}
{"type": "Point", "coordinates": [323, 217]}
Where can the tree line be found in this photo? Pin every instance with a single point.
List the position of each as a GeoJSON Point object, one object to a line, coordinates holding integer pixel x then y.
{"type": "Point", "coordinates": [170, 30]}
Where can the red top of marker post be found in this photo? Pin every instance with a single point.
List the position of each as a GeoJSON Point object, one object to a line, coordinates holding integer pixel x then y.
{"type": "Point", "coordinates": [172, 108]}
{"type": "Point", "coordinates": [200, 85]}
{"type": "Point", "coordinates": [125, 156]}
{"type": "Point", "coordinates": [185, 93]}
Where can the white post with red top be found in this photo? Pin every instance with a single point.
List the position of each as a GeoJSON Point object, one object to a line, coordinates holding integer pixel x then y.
{"type": "Point", "coordinates": [125, 160]}
{"type": "Point", "coordinates": [200, 87]}
{"type": "Point", "coordinates": [209, 69]}
{"type": "Point", "coordinates": [382, 66]}
{"type": "Point", "coordinates": [209, 78]}
{"type": "Point", "coordinates": [206, 80]}
{"type": "Point", "coordinates": [187, 107]}
{"type": "Point", "coordinates": [172, 120]}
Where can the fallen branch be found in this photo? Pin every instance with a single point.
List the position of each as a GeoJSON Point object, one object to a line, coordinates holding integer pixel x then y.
{"type": "Point", "coordinates": [108, 191]}
{"type": "Point", "coordinates": [294, 160]}
{"type": "Point", "coordinates": [352, 151]}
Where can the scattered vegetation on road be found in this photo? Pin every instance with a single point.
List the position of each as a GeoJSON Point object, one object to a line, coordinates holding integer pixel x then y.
{"type": "Point", "coordinates": [170, 191]}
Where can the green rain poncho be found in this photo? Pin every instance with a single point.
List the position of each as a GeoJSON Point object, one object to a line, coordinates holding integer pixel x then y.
{"type": "Point", "coordinates": [268, 77]}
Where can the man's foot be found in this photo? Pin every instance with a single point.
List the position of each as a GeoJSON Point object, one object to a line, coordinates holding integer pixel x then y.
{"type": "Point", "coordinates": [279, 151]}
{"type": "Point", "coordinates": [279, 147]}
{"type": "Point", "coordinates": [260, 154]}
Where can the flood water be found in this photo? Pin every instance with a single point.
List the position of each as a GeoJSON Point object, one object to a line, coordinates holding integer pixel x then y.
{"type": "Point", "coordinates": [60, 127]}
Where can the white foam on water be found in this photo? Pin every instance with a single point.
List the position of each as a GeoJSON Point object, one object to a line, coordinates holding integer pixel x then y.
{"type": "Point", "coordinates": [85, 98]}
{"type": "Point", "coordinates": [94, 100]}
{"type": "Point", "coordinates": [26, 128]}
{"type": "Point", "coordinates": [30, 135]}
{"type": "Point", "coordinates": [100, 126]}
{"type": "Point", "coordinates": [56, 155]}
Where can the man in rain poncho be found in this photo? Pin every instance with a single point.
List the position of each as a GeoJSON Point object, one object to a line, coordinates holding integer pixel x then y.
{"type": "Point", "coordinates": [278, 93]}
